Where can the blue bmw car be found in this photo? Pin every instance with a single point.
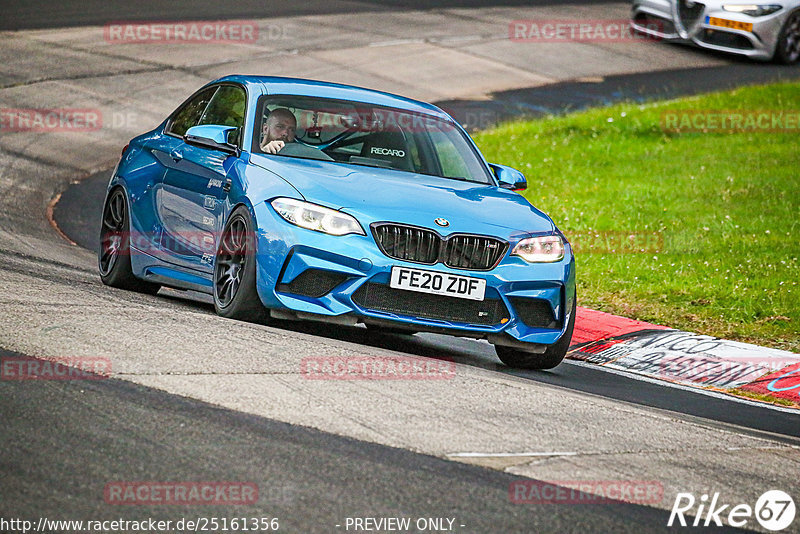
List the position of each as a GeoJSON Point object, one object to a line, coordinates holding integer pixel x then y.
{"type": "Point", "coordinates": [298, 199]}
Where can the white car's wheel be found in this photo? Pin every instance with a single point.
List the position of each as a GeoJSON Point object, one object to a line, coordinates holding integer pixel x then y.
{"type": "Point", "coordinates": [787, 51]}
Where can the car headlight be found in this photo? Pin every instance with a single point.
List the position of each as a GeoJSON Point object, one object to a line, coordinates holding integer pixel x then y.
{"type": "Point", "coordinates": [314, 217]}
{"type": "Point", "coordinates": [544, 249]}
{"type": "Point", "coordinates": [752, 9]}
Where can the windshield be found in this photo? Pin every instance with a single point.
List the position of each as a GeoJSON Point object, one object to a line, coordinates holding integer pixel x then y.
{"type": "Point", "coordinates": [362, 134]}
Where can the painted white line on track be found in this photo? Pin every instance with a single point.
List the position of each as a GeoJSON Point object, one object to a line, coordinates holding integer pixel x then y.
{"type": "Point", "coordinates": [781, 447]}
{"type": "Point", "coordinates": [468, 38]}
{"type": "Point", "coordinates": [397, 42]}
{"type": "Point", "coordinates": [507, 454]}
{"type": "Point", "coordinates": [436, 40]}
{"type": "Point", "coordinates": [695, 389]}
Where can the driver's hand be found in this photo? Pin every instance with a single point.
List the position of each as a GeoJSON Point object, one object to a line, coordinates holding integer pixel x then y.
{"type": "Point", "coordinates": [273, 147]}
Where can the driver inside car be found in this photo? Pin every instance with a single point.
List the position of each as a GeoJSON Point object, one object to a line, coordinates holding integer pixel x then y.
{"type": "Point", "coordinates": [279, 129]}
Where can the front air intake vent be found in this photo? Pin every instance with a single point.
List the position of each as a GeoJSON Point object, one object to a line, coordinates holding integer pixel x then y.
{"type": "Point", "coordinates": [536, 313]}
{"type": "Point", "coordinates": [380, 297]}
{"type": "Point", "coordinates": [313, 283]}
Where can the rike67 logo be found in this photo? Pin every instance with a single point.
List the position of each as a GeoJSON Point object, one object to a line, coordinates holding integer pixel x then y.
{"type": "Point", "coordinates": [774, 511]}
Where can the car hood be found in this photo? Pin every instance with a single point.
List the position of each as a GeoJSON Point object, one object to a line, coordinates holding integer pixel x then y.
{"type": "Point", "coordinates": [374, 194]}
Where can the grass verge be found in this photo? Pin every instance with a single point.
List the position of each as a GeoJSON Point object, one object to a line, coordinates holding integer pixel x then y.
{"type": "Point", "coordinates": [715, 214]}
{"type": "Point", "coordinates": [770, 399]}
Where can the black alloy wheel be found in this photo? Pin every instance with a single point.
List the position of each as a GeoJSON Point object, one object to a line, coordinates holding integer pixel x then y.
{"type": "Point", "coordinates": [235, 294]}
{"type": "Point", "coordinates": [114, 256]}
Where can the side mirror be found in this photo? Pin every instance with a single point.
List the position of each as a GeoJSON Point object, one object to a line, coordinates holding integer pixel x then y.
{"type": "Point", "coordinates": [211, 136]}
{"type": "Point", "coordinates": [509, 178]}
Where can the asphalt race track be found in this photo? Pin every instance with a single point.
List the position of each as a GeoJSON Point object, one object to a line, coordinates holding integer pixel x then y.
{"type": "Point", "coordinates": [194, 397]}
{"type": "Point", "coordinates": [309, 480]}
{"type": "Point", "coordinates": [42, 14]}
{"type": "Point", "coordinates": [77, 216]}
{"type": "Point", "coordinates": [574, 95]}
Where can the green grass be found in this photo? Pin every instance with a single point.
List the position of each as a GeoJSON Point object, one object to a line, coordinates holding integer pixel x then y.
{"type": "Point", "coordinates": [763, 398]}
{"type": "Point", "coordinates": [725, 205]}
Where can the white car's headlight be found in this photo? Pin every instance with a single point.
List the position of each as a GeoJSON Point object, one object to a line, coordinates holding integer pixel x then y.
{"type": "Point", "coordinates": [753, 10]}
{"type": "Point", "coordinates": [544, 249]}
{"type": "Point", "coordinates": [314, 217]}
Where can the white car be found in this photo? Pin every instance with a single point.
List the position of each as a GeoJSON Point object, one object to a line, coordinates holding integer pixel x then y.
{"type": "Point", "coordinates": [769, 30]}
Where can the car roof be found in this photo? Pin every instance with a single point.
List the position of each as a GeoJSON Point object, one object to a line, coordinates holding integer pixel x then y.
{"type": "Point", "coordinates": [278, 85]}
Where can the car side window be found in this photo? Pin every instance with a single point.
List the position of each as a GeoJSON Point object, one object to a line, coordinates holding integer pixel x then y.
{"type": "Point", "coordinates": [190, 113]}
{"type": "Point", "coordinates": [226, 109]}
{"type": "Point", "coordinates": [453, 163]}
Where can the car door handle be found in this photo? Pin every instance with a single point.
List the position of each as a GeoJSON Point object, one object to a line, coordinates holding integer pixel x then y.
{"type": "Point", "coordinates": [177, 156]}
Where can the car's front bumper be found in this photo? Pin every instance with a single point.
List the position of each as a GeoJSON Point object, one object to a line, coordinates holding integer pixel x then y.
{"type": "Point", "coordinates": [661, 19]}
{"type": "Point", "coordinates": [357, 274]}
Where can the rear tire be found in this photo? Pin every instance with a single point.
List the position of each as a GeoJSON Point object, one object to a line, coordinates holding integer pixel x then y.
{"type": "Point", "coordinates": [552, 356]}
{"type": "Point", "coordinates": [787, 50]}
{"type": "Point", "coordinates": [114, 256]}
{"type": "Point", "coordinates": [235, 295]}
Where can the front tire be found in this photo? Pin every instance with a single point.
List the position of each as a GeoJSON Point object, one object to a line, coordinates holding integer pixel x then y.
{"type": "Point", "coordinates": [787, 51]}
{"type": "Point", "coordinates": [235, 295]}
{"type": "Point", "coordinates": [114, 256]}
{"type": "Point", "coordinates": [552, 356]}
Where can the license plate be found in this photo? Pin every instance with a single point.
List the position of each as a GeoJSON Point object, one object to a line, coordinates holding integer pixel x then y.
{"type": "Point", "coordinates": [451, 285]}
{"type": "Point", "coordinates": [732, 24]}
